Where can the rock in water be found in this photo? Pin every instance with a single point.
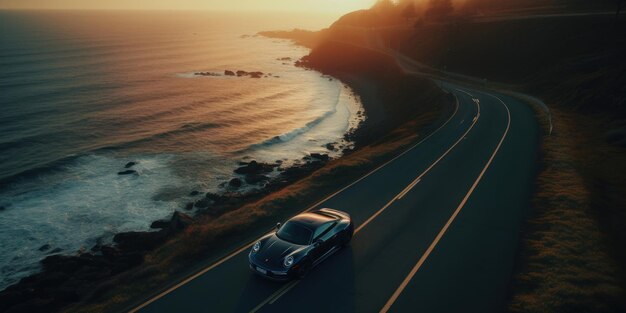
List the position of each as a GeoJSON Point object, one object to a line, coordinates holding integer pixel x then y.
{"type": "Point", "coordinates": [203, 203]}
{"type": "Point", "coordinates": [179, 221]}
{"type": "Point", "coordinates": [139, 241]}
{"type": "Point", "coordinates": [127, 172]}
{"type": "Point", "coordinates": [256, 178]}
{"type": "Point", "coordinates": [194, 193]}
{"type": "Point", "coordinates": [321, 157]}
{"type": "Point", "coordinates": [44, 247]}
{"type": "Point", "coordinates": [255, 168]}
{"type": "Point", "coordinates": [130, 164]}
{"type": "Point", "coordinates": [160, 224]}
{"type": "Point", "coordinates": [214, 197]}
{"type": "Point", "coordinates": [235, 183]}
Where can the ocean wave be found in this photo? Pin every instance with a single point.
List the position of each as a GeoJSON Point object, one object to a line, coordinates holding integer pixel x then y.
{"type": "Point", "coordinates": [184, 129]}
{"type": "Point", "coordinates": [36, 171]}
{"type": "Point", "coordinates": [286, 137]}
{"type": "Point", "coordinates": [84, 203]}
{"type": "Point", "coordinates": [59, 164]}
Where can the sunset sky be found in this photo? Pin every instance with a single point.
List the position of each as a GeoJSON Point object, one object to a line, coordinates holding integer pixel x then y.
{"type": "Point", "coordinates": [339, 6]}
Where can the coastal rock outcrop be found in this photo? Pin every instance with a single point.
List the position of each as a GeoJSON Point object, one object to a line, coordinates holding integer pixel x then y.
{"type": "Point", "coordinates": [241, 73]}
{"type": "Point", "coordinates": [255, 178]}
{"type": "Point", "coordinates": [207, 74]}
{"type": "Point", "coordinates": [202, 203]}
{"type": "Point", "coordinates": [179, 221]}
{"type": "Point", "coordinates": [321, 157]}
{"type": "Point", "coordinates": [298, 171]}
{"type": "Point", "coordinates": [255, 167]}
{"type": "Point", "coordinates": [235, 183]}
{"type": "Point", "coordinates": [176, 223]}
{"type": "Point", "coordinates": [139, 241]}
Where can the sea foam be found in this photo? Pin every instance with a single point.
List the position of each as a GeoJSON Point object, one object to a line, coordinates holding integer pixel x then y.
{"type": "Point", "coordinates": [84, 203]}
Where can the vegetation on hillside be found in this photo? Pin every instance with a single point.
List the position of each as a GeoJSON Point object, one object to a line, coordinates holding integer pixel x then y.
{"type": "Point", "coordinates": [572, 251]}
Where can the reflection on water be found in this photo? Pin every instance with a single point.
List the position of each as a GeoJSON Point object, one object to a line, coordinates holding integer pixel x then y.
{"type": "Point", "coordinates": [82, 93]}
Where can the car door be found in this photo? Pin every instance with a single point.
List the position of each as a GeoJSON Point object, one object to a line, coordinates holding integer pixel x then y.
{"type": "Point", "coordinates": [323, 233]}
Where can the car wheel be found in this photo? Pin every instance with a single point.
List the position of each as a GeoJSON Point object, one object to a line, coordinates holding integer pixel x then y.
{"type": "Point", "coordinates": [304, 270]}
{"type": "Point", "coordinates": [347, 236]}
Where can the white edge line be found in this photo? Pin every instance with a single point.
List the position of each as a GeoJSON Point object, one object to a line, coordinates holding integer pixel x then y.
{"type": "Point", "coordinates": [432, 246]}
{"type": "Point", "coordinates": [228, 257]}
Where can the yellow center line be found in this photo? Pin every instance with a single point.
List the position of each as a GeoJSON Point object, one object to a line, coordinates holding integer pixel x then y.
{"type": "Point", "coordinates": [408, 188]}
{"type": "Point", "coordinates": [284, 291]}
{"type": "Point", "coordinates": [443, 230]}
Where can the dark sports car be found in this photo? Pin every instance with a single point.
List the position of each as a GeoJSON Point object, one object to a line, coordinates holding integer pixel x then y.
{"type": "Point", "coordinates": [301, 243]}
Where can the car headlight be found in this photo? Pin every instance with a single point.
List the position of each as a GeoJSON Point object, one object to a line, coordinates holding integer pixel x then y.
{"type": "Point", "coordinates": [288, 262]}
{"type": "Point", "coordinates": [256, 247]}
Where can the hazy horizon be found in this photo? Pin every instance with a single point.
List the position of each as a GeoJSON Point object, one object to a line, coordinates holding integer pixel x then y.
{"type": "Point", "coordinates": [323, 6]}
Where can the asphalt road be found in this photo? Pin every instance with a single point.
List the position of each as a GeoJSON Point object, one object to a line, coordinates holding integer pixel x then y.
{"type": "Point", "coordinates": [437, 228]}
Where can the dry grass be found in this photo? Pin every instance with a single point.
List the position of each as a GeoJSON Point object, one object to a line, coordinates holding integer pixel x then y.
{"type": "Point", "coordinates": [211, 237]}
{"type": "Point", "coordinates": [568, 264]}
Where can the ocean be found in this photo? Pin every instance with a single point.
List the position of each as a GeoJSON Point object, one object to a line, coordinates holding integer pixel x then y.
{"type": "Point", "coordinates": [82, 93]}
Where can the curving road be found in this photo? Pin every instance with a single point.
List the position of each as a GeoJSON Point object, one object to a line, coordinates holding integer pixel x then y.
{"type": "Point", "coordinates": [437, 228]}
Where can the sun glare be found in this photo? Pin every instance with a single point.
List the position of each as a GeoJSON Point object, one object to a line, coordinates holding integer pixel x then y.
{"type": "Point", "coordinates": [341, 6]}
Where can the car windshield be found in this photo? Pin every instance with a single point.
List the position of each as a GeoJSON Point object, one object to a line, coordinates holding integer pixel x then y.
{"type": "Point", "coordinates": [294, 232]}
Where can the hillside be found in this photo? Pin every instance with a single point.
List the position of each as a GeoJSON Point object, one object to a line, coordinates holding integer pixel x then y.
{"type": "Point", "coordinates": [572, 246]}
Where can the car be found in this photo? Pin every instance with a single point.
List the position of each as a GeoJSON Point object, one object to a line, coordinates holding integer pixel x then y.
{"type": "Point", "coordinates": [301, 243]}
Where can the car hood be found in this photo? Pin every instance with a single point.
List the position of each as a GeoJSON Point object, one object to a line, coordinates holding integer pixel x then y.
{"type": "Point", "coordinates": [274, 250]}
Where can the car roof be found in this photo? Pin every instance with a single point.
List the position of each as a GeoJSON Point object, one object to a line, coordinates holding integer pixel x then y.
{"type": "Point", "coordinates": [313, 220]}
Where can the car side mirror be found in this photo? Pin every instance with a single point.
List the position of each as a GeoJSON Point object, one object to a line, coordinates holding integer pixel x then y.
{"type": "Point", "coordinates": [277, 226]}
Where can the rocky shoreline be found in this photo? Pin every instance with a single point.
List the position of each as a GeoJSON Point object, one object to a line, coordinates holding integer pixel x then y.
{"type": "Point", "coordinates": [65, 279]}
{"type": "Point", "coordinates": [238, 73]}
{"type": "Point", "coordinates": [69, 279]}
